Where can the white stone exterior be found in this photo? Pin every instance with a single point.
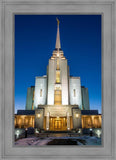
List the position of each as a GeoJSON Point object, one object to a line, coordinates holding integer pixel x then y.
{"type": "Point", "coordinates": [75, 84]}
{"type": "Point", "coordinates": [40, 86]}
{"type": "Point", "coordinates": [64, 82]}
{"type": "Point", "coordinates": [51, 81]}
{"type": "Point", "coordinates": [85, 98]}
{"type": "Point", "coordinates": [70, 86]}
{"type": "Point", "coordinates": [58, 94]}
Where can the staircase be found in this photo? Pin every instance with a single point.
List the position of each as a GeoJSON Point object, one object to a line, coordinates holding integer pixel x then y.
{"type": "Point", "coordinates": [57, 131]}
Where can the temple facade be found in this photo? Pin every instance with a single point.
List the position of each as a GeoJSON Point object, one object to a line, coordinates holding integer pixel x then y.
{"type": "Point", "coordinates": [89, 119]}
{"type": "Point", "coordinates": [57, 98]}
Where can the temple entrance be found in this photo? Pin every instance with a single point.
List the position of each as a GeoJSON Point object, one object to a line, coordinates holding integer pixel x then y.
{"type": "Point", "coordinates": [58, 123]}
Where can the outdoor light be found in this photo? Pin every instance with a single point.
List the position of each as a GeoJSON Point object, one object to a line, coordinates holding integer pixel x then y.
{"type": "Point", "coordinates": [38, 115]}
{"type": "Point", "coordinates": [17, 133]}
{"type": "Point", "coordinates": [98, 133]}
{"type": "Point", "coordinates": [36, 131]}
{"type": "Point", "coordinates": [77, 115]}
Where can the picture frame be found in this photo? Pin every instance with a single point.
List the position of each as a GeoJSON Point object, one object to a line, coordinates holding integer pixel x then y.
{"type": "Point", "coordinates": [11, 7]}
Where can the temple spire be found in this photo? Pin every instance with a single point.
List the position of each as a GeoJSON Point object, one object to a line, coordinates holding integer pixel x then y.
{"type": "Point", "coordinates": [58, 46]}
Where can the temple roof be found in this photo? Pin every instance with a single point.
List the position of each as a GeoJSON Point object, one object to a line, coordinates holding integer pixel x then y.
{"type": "Point", "coordinates": [89, 112]}
{"type": "Point", "coordinates": [25, 112]}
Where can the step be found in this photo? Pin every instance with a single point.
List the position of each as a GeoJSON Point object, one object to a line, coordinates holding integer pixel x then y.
{"type": "Point", "coordinates": [57, 131]}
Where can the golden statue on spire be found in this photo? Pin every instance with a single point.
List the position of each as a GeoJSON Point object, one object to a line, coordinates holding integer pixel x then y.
{"type": "Point", "coordinates": [57, 21]}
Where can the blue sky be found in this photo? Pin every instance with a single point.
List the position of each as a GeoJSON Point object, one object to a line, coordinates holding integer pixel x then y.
{"type": "Point", "coordinates": [35, 37]}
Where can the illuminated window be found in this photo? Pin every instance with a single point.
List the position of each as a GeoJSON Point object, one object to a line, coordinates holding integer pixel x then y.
{"type": "Point", "coordinates": [40, 92]}
{"type": "Point", "coordinates": [87, 122]}
{"type": "Point", "coordinates": [96, 122]}
{"type": "Point", "coordinates": [57, 76]}
{"type": "Point", "coordinates": [58, 64]}
{"type": "Point", "coordinates": [74, 92]}
{"type": "Point", "coordinates": [57, 97]}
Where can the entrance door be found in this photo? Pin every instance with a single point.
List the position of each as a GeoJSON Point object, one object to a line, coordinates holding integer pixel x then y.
{"type": "Point", "coordinates": [57, 124]}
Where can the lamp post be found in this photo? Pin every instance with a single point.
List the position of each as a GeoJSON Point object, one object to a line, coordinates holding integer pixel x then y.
{"type": "Point", "coordinates": [26, 133]}
{"type": "Point", "coordinates": [17, 134]}
{"type": "Point", "coordinates": [91, 132]}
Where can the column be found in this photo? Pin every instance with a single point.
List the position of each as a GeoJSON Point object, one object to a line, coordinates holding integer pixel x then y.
{"type": "Point", "coordinates": [82, 118]}
{"type": "Point", "coordinates": [68, 121]}
{"type": "Point", "coordinates": [29, 121]}
{"type": "Point", "coordinates": [22, 121]}
{"type": "Point", "coordinates": [100, 121]}
{"type": "Point", "coordinates": [92, 122]}
{"type": "Point", "coordinates": [33, 120]}
{"type": "Point", "coordinates": [47, 121]}
{"type": "Point", "coordinates": [16, 121]}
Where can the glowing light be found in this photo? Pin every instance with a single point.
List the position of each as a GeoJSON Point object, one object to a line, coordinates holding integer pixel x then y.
{"type": "Point", "coordinates": [36, 131]}
{"type": "Point", "coordinates": [38, 115]}
{"type": "Point", "coordinates": [68, 128]}
{"type": "Point", "coordinates": [90, 129]}
{"type": "Point", "coordinates": [17, 133]}
{"type": "Point", "coordinates": [58, 54]}
{"type": "Point", "coordinates": [98, 132]}
{"type": "Point", "coordinates": [47, 128]}
{"type": "Point", "coordinates": [57, 116]}
{"type": "Point", "coordinates": [77, 115]}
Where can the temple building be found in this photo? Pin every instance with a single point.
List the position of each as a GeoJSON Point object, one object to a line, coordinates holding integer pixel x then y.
{"type": "Point", "coordinates": [58, 101]}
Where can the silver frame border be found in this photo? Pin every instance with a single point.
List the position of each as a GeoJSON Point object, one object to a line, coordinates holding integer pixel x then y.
{"type": "Point", "coordinates": [107, 9]}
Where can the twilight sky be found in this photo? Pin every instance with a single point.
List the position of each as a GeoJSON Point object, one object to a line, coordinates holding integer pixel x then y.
{"type": "Point", "coordinates": [35, 37]}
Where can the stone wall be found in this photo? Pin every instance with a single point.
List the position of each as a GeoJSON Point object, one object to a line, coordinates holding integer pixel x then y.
{"type": "Point", "coordinates": [85, 98]}
{"type": "Point", "coordinates": [39, 118]}
{"type": "Point", "coordinates": [29, 100]}
{"type": "Point", "coordinates": [75, 91]}
{"type": "Point", "coordinates": [40, 91]}
{"type": "Point", "coordinates": [51, 81]}
{"type": "Point", "coordinates": [76, 118]}
{"type": "Point", "coordinates": [64, 82]}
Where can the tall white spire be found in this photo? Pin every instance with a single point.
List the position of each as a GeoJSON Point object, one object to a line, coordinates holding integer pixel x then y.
{"type": "Point", "coordinates": [58, 45]}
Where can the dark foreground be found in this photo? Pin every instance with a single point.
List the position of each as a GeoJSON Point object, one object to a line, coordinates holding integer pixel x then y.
{"type": "Point", "coordinates": [61, 139]}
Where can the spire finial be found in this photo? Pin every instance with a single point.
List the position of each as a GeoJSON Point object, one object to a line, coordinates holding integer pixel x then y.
{"type": "Point", "coordinates": [57, 21]}
{"type": "Point", "coordinates": [58, 46]}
